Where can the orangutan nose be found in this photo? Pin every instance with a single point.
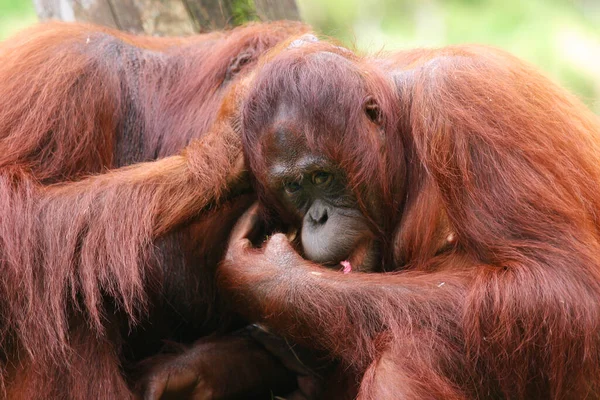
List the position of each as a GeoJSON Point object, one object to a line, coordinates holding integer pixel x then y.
{"type": "Point", "coordinates": [318, 214]}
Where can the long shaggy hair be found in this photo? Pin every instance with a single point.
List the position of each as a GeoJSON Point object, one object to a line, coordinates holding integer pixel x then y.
{"type": "Point", "coordinates": [487, 176]}
{"type": "Point", "coordinates": [83, 287]}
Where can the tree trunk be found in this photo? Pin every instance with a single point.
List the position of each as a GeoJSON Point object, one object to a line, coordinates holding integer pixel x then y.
{"type": "Point", "coordinates": [167, 17]}
{"type": "Point", "coordinates": [272, 10]}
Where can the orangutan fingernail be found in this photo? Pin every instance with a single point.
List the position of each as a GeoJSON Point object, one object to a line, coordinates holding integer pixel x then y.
{"type": "Point", "coordinates": [292, 235]}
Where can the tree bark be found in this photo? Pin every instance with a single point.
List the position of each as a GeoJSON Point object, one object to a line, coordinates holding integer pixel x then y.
{"type": "Point", "coordinates": [167, 17]}
{"type": "Point", "coordinates": [272, 10]}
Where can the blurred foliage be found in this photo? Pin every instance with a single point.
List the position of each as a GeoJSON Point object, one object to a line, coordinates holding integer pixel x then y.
{"type": "Point", "coordinates": [243, 10]}
{"type": "Point", "coordinates": [15, 15]}
{"type": "Point", "coordinates": [562, 37]}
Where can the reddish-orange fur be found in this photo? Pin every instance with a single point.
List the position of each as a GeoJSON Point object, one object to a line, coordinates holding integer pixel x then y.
{"type": "Point", "coordinates": [79, 99]}
{"type": "Point", "coordinates": [97, 270]}
{"type": "Point", "coordinates": [477, 145]}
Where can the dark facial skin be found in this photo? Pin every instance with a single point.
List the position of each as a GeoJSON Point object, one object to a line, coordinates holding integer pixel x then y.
{"type": "Point", "coordinates": [303, 130]}
{"type": "Point", "coordinates": [314, 190]}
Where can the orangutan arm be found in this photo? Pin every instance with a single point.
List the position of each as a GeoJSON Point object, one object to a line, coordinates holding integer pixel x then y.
{"type": "Point", "coordinates": [84, 240]}
{"type": "Point", "coordinates": [344, 314]}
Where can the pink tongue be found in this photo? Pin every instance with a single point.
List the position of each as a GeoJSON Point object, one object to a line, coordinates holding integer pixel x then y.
{"type": "Point", "coordinates": [347, 267]}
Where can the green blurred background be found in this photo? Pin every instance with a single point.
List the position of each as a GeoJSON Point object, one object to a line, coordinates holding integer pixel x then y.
{"type": "Point", "coordinates": [562, 37]}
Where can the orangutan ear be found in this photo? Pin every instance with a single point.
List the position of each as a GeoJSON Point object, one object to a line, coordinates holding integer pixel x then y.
{"type": "Point", "coordinates": [303, 40]}
{"type": "Point", "coordinates": [373, 111]}
{"type": "Point", "coordinates": [238, 63]}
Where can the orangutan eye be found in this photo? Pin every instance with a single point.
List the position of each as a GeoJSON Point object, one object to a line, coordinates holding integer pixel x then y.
{"type": "Point", "coordinates": [291, 187]}
{"type": "Point", "coordinates": [373, 111]}
{"type": "Point", "coordinates": [321, 178]}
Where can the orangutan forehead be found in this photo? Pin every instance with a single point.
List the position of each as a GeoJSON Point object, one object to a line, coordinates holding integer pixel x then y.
{"type": "Point", "coordinates": [289, 156]}
{"type": "Point", "coordinates": [314, 94]}
{"type": "Point", "coordinates": [285, 139]}
{"type": "Point", "coordinates": [301, 72]}
{"type": "Point", "coordinates": [283, 166]}
{"type": "Point", "coordinates": [322, 81]}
